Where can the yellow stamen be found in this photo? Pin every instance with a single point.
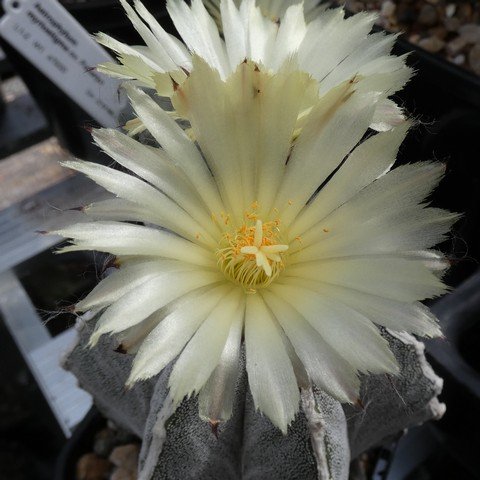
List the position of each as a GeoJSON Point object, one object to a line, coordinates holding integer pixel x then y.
{"type": "Point", "coordinates": [252, 255]}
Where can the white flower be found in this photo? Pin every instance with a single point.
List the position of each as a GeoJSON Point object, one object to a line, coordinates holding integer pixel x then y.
{"type": "Point", "coordinates": [275, 10]}
{"type": "Point", "coordinates": [329, 47]}
{"type": "Point", "coordinates": [241, 245]}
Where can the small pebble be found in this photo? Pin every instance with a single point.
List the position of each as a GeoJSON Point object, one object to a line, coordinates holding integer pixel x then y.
{"type": "Point", "coordinates": [470, 32]}
{"type": "Point", "coordinates": [459, 59]}
{"type": "Point", "coordinates": [415, 38]}
{"type": "Point", "coordinates": [93, 467]}
{"type": "Point", "coordinates": [431, 44]}
{"type": "Point", "coordinates": [123, 474]}
{"type": "Point", "coordinates": [439, 32]}
{"type": "Point", "coordinates": [450, 28]}
{"type": "Point", "coordinates": [464, 12]}
{"type": "Point", "coordinates": [456, 45]}
{"type": "Point", "coordinates": [450, 10]}
{"type": "Point", "coordinates": [356, 7]}
{"type": "Point", "coordinates": [406, 14]}
{"type": "Point", "coordinates": [474, 59]}
{"type": "Point", "coordinates": [105, 441]}
{"type": "Point", "coordinates": [388, 8]}
{"type": "Point", "coordinates": [452, 24]}
{"type": "Point", "coordinates": [428, 15]}
{"type": "Point", "coordinates": [126, 456]}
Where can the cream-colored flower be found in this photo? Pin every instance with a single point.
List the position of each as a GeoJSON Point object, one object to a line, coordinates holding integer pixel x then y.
{"type": "Point", "coordinates": [329, 47]}
{"type": "Point", "coordinates": [273, 9]}
{"type": "Point", "coordinates": [240, 243]}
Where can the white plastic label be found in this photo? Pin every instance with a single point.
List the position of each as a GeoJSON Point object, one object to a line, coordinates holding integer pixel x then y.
{"type": "Point", "coordinates": [52, 40]}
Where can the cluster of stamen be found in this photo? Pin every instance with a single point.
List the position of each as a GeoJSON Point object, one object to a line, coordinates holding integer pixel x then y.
{"type": "Point", "coordinates": [252, 255]}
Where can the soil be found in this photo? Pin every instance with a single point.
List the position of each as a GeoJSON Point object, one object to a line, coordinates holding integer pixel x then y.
{"type": "Point", "coordinates": [113, 456]}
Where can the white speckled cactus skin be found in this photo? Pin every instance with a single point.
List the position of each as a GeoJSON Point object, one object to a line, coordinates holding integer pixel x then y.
{"type": "Point", "coordinates": [319, 444]}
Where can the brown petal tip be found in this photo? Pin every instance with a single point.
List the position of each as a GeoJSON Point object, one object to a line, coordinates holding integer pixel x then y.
{"type": "Point", "coordinates": [174, 83]}
{"type": "Point", "coordinates": [359, 404]}
{"type": "Point", "coordinates": [120, 349]}
{"type": "Point", "coordinates": [214, 424]}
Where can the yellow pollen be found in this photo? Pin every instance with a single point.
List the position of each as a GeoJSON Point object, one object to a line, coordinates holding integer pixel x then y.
{"type": "Point", "coordinates": [252, 255]}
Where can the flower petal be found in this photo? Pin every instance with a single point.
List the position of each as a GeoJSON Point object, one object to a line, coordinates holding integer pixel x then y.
{"type": "Point", "coordinates": [234, 33]}
{"type": "Point", "coordinates": [290, 35]}
{"type": "Point", "coordinates": [244, 132]}
{"type": "Point", "coordinates": [325, 367]}
{"type": "Point", "coordinates": [387, 116]}
{"type": "Point", "coordinates": [203, 352]}
{"type": "Point", "coordinates": [358, 58]}
{"type": "Point", "coordinates": [270, 373]}
{"type": "Point", "coordinates": [199, 32]}
{"type": "Point", "coordinates": [398, 316]}
{"type": "Point", "coordinates": [393, 194]}
{"type": "Point", "coordinates": [370, 160]}
{"type": "Point", "coordinates": [128, 187]}
{"type": "Point", "coordinates": [399, 279]}
{"type": "Point", "coordinates": [177, 145]}
{"type": "Point", "coordinates": [129, 276]}
{"type": "Point", "coordinates": [405, 230]}
{"type": "Point", "coordinates": [155, 167]}
{"type": "Point", "coordinates": [261, 32]}
{"type": "Point", "coordinates": [334, 127]}
{"type": "Point", "coordinates": [173, 47]}
{"type": "Point", "coordinates": [336, 39]}
{"type": "Point", "coordinates": [173, 332]}
{"type": "Point", "coordinates": [139, 303]}
{"type": "Point", "coordinates": [215, 401]}
{"type": "Point", "coordinates": [120, 210]}
{"type": "Point", "coordinates": [348, 332]}
{"type": "Point", "coordinates": [125, 239]}
{"type": "Point", "coordinates": [157, 50]}
{"type": "Point", "coordinates": [124, 50]}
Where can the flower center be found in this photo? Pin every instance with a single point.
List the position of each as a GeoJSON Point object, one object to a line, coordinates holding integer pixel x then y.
{"type": "Point", "coordinates": [252, 255]}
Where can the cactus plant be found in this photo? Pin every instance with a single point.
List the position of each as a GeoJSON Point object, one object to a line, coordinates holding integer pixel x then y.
{"type": "Point", "coordinates": [267, 316]}
{"type": "Point", "coordinates": [319, 445]}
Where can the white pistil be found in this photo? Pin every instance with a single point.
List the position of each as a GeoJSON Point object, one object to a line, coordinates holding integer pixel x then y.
{"type": "Point", "coordinates": [263, 253]}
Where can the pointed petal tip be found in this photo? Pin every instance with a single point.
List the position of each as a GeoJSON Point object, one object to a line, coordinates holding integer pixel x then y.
{"type": "Point", "coordinates": [129, 384]}
{"type": "Point", "coordinates": [80, 308]}
{"type": "Point", "coordinates": [134, 376]}
{"type": "Point", "coordinates": [121, 349]}
{"type": "Point", "coordinates": [283, 424]}
{"type": "Point", "coordinates": [72, 164]}
{"type": "Point", "coordinates": [214, 424]}
{"type": "Point", "coordinates": [435, 332]}
{"type": "Point", "coordinates": [94, 338]}
{"type": "Point", "coordinates": [358, 403]}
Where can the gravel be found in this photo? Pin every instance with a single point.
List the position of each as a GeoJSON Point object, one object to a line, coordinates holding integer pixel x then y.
{"type": "Point", "coordinates": [450, 29]}
{"type": "Point", "coordinates": [114, 456]}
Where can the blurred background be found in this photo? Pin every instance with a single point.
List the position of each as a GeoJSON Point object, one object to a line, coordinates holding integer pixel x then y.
{"type": "Point", "coordinates": [40, 404]}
